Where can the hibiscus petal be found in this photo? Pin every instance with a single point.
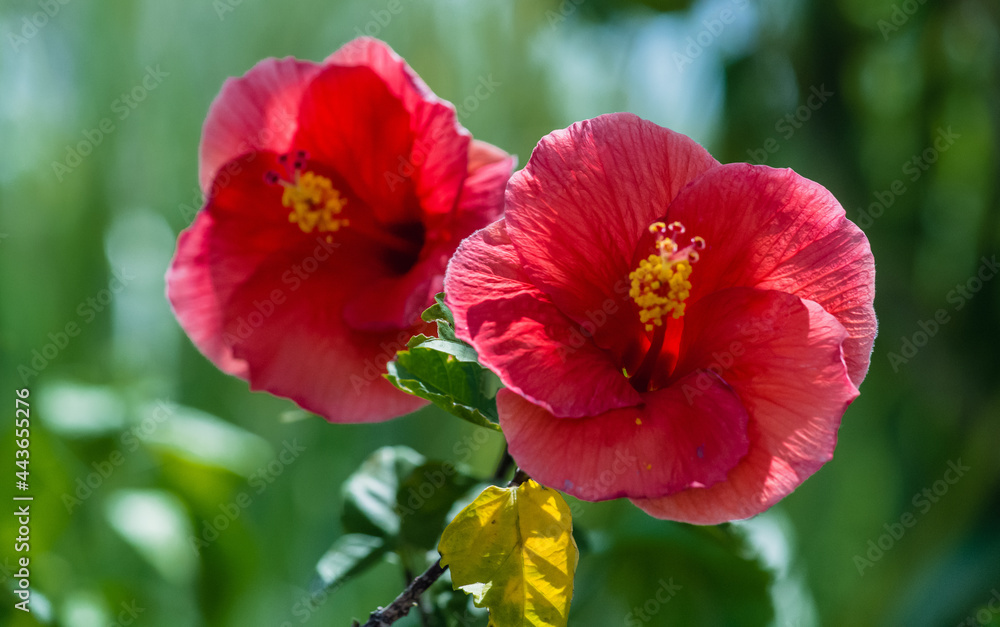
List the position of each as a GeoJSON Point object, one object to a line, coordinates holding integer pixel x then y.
{"type": "Point", "coordinates": [483, 153]}
{"type": "Point", "coordinates": [400, 78]}
{"type": "Point", "coordinates": [663, 446]}
{"type": "Point", "coordinates": [254, 112]}
{"type": "Point", "coordinates": [394, 302]}
{"type": "Point", "coordinates": [782, 356]}
{"type": "Point", "coordinates": [577, 209]}
{"type": "Point", "coordinates": [437, 164]}
{"type": "Point", "coordinates": [522, 336]}
{"type": "Point", "coordinates": [481, 200]}
{"type": "Point", "coordinates": [352, 123]}
{"type": "Point", "coordinates": [305, 352]}
{"type": "Point", "coordinates": [773, 229]}
{"type": "Point", "coordinates": [193, 298]}
{"type": "Point", "coordinates": [280, 294]}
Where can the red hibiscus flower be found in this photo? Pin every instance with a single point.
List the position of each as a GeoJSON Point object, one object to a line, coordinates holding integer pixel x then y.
{"type": "Point", "coordinates": [336, 193]}
{"type": "Point", "coordinates": [679, 332]}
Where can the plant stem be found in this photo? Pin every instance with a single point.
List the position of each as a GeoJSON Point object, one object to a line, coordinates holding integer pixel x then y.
{"type": "Point", "coordinates": [409, 597]}
{"type": "Point", "coordinates": [519, 477]}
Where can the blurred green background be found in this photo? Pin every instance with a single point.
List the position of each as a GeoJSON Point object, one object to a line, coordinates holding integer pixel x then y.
{"type": "Point", "coordinates": [137, 440]}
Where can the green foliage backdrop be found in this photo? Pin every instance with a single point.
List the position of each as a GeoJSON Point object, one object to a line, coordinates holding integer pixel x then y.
{"type": "Point", "coordinates": [140, 444]}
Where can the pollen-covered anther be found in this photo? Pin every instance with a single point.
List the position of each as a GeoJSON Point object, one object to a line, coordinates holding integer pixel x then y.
{"type": "Point", "coordinates": [660, 285]}
{"type": "Point", "coordinates": [315, 204]}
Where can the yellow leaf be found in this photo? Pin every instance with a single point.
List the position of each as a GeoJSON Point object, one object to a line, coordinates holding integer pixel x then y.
{"type": "Point", "coordinates": [512, 549]}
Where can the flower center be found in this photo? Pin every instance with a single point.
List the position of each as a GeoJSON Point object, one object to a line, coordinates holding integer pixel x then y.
{"type": "Point", "coordinates": [660, 284]}
{"type": "Point", "coordinates": [315, 204]}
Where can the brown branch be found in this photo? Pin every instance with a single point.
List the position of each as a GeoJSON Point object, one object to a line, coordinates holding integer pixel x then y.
{"type": "Point", "coordinates": [409, 597]}
{"type": "Point", "coordinates": [519, 477]}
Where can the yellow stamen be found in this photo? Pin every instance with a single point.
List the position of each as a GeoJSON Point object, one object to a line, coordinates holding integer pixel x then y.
{"type": "Point", "coordinates": [660, 287]}
{"type": "Point", "coordinates": [315, 204]}
{"type": "Point", "coordinates": [660, 284]}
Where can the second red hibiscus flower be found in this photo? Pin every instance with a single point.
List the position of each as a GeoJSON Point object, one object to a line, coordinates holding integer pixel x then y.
{"type": "Point", "coordinates": [336, 193]}
{"type": "Point", "coordinates": [679, 332]}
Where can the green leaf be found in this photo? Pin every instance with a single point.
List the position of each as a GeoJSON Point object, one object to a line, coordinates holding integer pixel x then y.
{"type": "Point", "coordinates": [370, 493]}
{"type": "Point", "coordinates": [447, 374]}
{"type": "Point", "coordinates": [446, 371]}
{"type": "Point", "coordinates": [441, 314]}
{"type": "Point", "coordinates": [513, 550]}
{"type": "Point", "coordinates": [402, 498]}
{"type": "Point", "coordinates": [425, 497]}
{"type": "Point", "coordinates": [350, 555]}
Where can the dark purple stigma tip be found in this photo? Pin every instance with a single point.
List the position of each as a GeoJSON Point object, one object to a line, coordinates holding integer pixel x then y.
{"type": "Point", "coordinates": [271, 177]}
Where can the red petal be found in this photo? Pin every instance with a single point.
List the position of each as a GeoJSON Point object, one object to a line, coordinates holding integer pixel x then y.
{"type": "Point", "coordinates": [304, 351]}
{"type": "Point", "coordinates": [481, 200]}
{"type": "Point", "coordinates": [782, 356]}
{"type": "Point", "coordinates": [483, 154]}
{"type": "Point", "coordinates": [350, 122]}
{"type": "Point", "coordinates": [520, 335]}
{"type": "Point", "coordinates": [193, 298]}
{"type": "Point", "coordinates": [398, 76]}
{"type": "Point", "coordinates": [257, 111]}
{"type": "Point", "coordinates": [773, 229]}
{"type": "Point", "coordinates": [587, 194]}
{"type": "Point", "coordinates": [437, 163]}
{"type": "Point", "coordinates": [281, 293]}
{"type": "Point", "coordinates": [394, 302]}
{"type": "Point", "coordinates": [663, 446]}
